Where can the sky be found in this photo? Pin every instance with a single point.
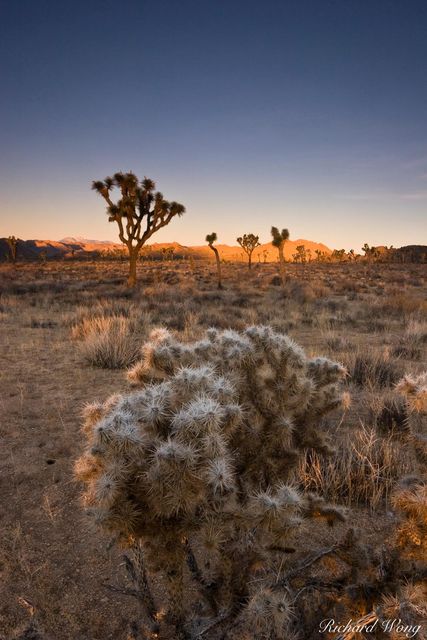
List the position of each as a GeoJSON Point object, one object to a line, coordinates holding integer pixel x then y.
{"type": "Point", "coordinates": [305, 114]}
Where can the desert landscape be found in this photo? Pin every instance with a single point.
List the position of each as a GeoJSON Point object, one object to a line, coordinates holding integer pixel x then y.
{"type": "Point", "coordinates": [70, 330]}
{"type": "Point", "coordinates": [213, 320]}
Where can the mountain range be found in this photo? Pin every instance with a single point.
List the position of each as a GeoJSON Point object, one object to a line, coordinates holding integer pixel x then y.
{"type": "Point", "coordinates": [77, 247]}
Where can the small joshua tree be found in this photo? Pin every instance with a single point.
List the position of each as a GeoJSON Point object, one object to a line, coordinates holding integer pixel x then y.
{"type": "Point", "coordinates": [249, 242]}
{"type": "Point", "coordinates": [13, 244]}
{"type": "Point", "coordinates": [338, 255]}
{"type": "Point", "coordinates": [279, 239]}
{"type": "Point", "coordinates": [193, 471]}
{"type": "Point", "coordinates": [371, 253]}
{"type": "Point", "coordinates": [210, 239]}
{"type": "Point", "coordinates": [139, 212]}
{"type": "Point", "coordinates": [301, 254]}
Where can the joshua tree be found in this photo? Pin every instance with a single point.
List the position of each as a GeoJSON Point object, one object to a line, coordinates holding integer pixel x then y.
{"type": "Point", "coordinates": [168, 253]}
{"type": "Point", "coordinates": [210, 239]}
{"type": "Point", "coordinates": [139, 212]}
{"type": "Point", "coordinates": [368, 251]}
{"type": "Point", "coordinates": [249, 242]}
{"type": "Point", "coordinates": [13, 244]}
{"type": "Point", "coordinates": [301, 254]}
{"type": "Point", "coordinates": [194, 472]}
{"type": "Point", "coordinates": [279, 239]}
{"type": "Point", "coordinates": [338, 255]}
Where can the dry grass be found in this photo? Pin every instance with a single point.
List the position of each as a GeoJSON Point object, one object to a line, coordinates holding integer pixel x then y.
{"type": "Point", "coordinates": [61, 324]}
{"type": "Point", "coordinates": [374, 369]}
{"type": "Point", "coordinates": [362, 471]}
{"type": "Point", "coordinates": [109, 342]}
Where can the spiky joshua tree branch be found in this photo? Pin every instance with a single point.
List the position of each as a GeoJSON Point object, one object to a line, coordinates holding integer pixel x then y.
{"type": "Point", "coordinates": [139, 212]}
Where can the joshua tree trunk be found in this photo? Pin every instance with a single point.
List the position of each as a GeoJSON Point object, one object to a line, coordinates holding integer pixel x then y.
{"type": "Point", "coordinates": [210, 239]}
{"type": "Point", "coordinates": [249, 243]}
{"type": "Point", "coordinates": [279, 239]}
{"type": "Point", "coordinates": [133, 258]}
{"type": "Point", "coordinates": [218, 266]}
{"type": "Point", "coordinates": [282, 266]}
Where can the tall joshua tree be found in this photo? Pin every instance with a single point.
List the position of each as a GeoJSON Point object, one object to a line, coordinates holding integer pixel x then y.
{"type": "Point", "coordinates": [210, 239]}
{"type": "Point", "coordinates": [279, 239]}
{"type": "Point", "coordinates": [249, 242]}
{"type": "Point", "coordinates": [139, 212]}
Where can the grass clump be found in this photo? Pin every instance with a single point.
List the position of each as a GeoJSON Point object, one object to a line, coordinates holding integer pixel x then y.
{"type": "Point", "coordinates": [361, 472]}
{"type": "Point", "coordinates": [375, 370]}
{"type": "Point", "coordinates": [109, 342]}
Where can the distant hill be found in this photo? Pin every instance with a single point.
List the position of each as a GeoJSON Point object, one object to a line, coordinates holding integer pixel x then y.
{"type": "Point", "coordinates": [77, 247]}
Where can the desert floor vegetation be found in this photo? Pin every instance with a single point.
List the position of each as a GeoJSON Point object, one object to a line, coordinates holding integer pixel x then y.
{"type": "Point", "coordinates": [69, 330]}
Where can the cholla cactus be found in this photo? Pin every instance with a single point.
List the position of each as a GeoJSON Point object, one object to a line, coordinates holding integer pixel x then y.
{"type": "Point", "coordinates": [194, 465]}
{"type": "Point", "coordinates": [410, 501]}
{"type": "Point", "coordinates": [414, 388]}
{"type": "Point", "coordinates": [404, 615]}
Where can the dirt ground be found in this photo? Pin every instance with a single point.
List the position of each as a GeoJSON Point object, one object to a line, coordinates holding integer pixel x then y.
{"type": "Point", "coordinates": [52, 562]}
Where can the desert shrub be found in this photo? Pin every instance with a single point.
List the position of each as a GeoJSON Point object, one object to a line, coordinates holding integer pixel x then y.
{"type": "Point", "coordinates": [300, 292]}
{"type": "Point", "coordinates": [362, 471]}
{"type": "Point", "coordinates": [337, 342]}
{"type": "Point", "coordinates": [223, 319]}
{"type": "Point", "coordinates": [376, 325]}
{"type": "Point", "coordinates": [276, 281]}
{"type": "Point", "coordinates": [208, 297]}
{"type": "Point", "coordinates": [193, 468]}
{"type": "Point", "coordinates": [86, 317]}
{"type": "Point", "coordinates": [402, 304]}
{"type": "Point", "coordinates": [416, 331]}
{"type": "Point", "coordinates": [374, 370]}
{"type": "Point", "coordinates": [109, 342]}
{"type": "Point", "coordinates": [407, 350]}
{"type": "Point", "coordinates": [389, 414]}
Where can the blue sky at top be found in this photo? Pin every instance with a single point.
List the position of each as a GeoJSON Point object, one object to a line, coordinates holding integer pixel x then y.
{"type": "Point", "coordinates": [305, 114]}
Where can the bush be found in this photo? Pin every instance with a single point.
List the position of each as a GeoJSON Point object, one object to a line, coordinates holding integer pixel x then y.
{"type": "Point", "coordinates": [192, 470]}
{"type": "Point", "coordinates": [375, 370]}
{"type": "Point", "coordinates": [362, 471]}
{"type": "Point", "coordinates": [109, 342]}
{"type": "Point", "coordinates": [389, 414]}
